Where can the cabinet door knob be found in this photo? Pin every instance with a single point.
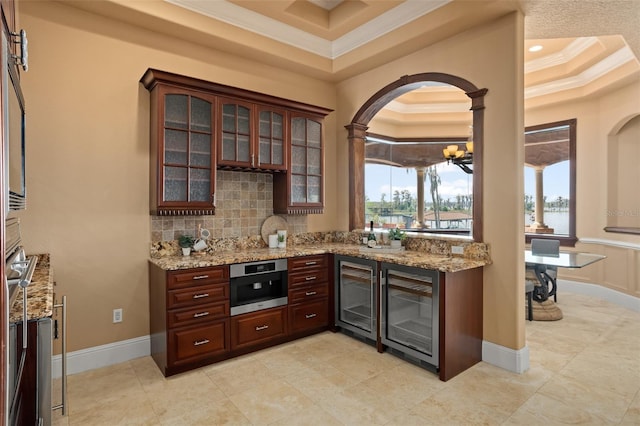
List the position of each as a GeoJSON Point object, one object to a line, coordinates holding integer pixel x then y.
{"type": "Point", "coordinates": [200, 277]}
{"type": "Point", "coordinates": [309, 316]}
{"type": "Point", "coordinates": [200, 314]}
{"type": "Point", "coordinates": [310, 263]}
{"type": "Point", "coordinates": [311, 293]}
{"type": "Point", "coordinates": [262, 327]}
{"type": "Point", "coordinates": [310, 278]}
{"type": "Point", "coordinates": [201, 342]}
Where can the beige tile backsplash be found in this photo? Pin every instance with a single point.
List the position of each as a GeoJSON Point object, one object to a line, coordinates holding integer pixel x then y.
{"type": "Point", "coordinates": [244, 201]}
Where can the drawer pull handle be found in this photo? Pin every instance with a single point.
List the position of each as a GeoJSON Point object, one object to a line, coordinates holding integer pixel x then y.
{"type": "Point", "coordinates": [311, 293]}
{"type": "Point", "coordinates": [262, 327]}
{"type": "Point", "coordinates": [309, 316]}
{"type": "Point", "coordinates": [200, 296]}
{"type": "Point", "coordinates": [200, 314]}
{"type": "Point", "coordinates": [310, 278]}
{"type": "Point", "coordinates": [201, 342]}
{"type": "Point", "coordinates": [311, 263]}
{"type": "Point", "coordinates": [200, 277]}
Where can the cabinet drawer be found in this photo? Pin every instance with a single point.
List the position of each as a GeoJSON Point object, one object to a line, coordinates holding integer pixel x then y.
{"type": "Point", "coordinates": [308, 277]}
{"type": "Point", "coordinates": [258, 327]}
{"type": "Point", "coordinates": [198, 276]}
{"type": "Point", "coordinates": [303, 294]}
{"type": "Point", "coordinates": [200, 341]}
{"type": "Point", "coordinates": [197, 295]}
{"type": "Point", "coordinates": [298, 264]}
{"type": "Point", "coordinates": [307, 316]}
{"type": "Point", "coordinates": [198, 314]}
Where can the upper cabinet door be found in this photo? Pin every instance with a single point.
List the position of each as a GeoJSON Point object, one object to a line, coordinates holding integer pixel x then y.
{"type": "Point", "coordinates": [185, 163]}
{"type": "Point", "coordinates": [271, 143]}
{"type": "Point", "coordinates": [236, 134]}
{"type": "Point", "coordinates": [304, 189]}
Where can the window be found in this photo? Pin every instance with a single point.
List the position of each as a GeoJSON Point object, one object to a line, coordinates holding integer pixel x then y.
{"type": "Point", "coordinates": [549, 181]}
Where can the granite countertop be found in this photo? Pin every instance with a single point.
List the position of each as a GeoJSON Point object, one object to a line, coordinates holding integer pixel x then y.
{"type": "Point", "coordinates": [39, 293]}
{"type": "Point", "coordinates": [407, 257]}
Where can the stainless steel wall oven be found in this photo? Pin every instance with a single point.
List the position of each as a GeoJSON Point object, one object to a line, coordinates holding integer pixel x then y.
{"type": "Point", "coordinates": [257, 285]}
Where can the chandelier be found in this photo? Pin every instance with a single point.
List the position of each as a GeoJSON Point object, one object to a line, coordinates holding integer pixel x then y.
{"type": "Point", "coordinates": [460, 158]}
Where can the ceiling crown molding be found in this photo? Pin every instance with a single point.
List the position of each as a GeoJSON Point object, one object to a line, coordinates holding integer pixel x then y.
{"type": "Point", "coordinates": [246, 19]}
{"type": "Point", "coordinates": [611, 62]}
{"type": "Point", "coordinates": [570, 52]}
{"type": "Point", "coordinates": [427, 108]}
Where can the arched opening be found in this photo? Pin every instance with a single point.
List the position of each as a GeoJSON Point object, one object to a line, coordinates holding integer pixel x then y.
{"type": "Point", "coordinates": [357, 136]}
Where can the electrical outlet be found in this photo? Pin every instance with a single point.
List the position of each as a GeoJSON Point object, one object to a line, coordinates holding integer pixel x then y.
{"type": "Point", "coordinates": [117, 315]}
{"type": "Point", "coordinates": [457, 250]}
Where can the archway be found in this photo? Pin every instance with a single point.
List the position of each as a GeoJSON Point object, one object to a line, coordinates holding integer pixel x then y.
{"type": "Point", "coordinates": [359, 125]}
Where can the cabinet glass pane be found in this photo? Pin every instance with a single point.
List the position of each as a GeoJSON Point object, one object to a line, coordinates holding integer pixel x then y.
{"type": "Point", "coordinates": [313, 133]}
{"type": "Point", "coordinates": [200, 184]}
{"type": "Point", "coordinates": [298, 189]}
{"type": "Point", "coordinates": [175, 111]}
{"type": "Point", "coordinates": [298, 159]}
{"type": "Point", "coordinates": [277, 131]}
{"type": "Point", "coordinates": [200, 150]}
{"type": "Point", "coordinates": [229, 118]}
{"type": "Point", "coordinates": [265, 123]}
{"type": "Point", "coordinates": [277, 147]}
{"type": "Point", "coordinates": [175, 184]}
{"type": "Point", "coordinates": [265, 151]}
{"type": "Point", "coordinates": [200, 115]}
{"type": "Point", "coordinates": [298, 131]}
{"type": "Point", "coordinates": [243, 119]}
{"type": "Point", "coordinates": [175, 147]}
{"type": "Point", "coordinates": [313, 161]}
{"type": "Point", "coordinates": [243, 148]}
{"type": "Point", "coordinates": [313, 189]}
{"type": "Point", "coordinates": [228, 147]}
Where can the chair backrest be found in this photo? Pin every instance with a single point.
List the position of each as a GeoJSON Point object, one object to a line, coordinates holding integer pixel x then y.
{"type": "Point", "coordinates": [545, 247]}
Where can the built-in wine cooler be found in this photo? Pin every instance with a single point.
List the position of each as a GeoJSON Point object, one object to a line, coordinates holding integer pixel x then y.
{"type": "Point", "coordinates": [409, 311]}
{"type": "Point", "coordinates": [355, 301]}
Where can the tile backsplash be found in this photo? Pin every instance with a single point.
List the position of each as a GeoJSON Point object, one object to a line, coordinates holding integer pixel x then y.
{"type": "Point", "coordinates": [244, 200]}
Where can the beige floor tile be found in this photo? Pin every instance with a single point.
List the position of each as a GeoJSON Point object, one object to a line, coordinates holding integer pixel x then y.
{"type": "Point", "coordinates": [598, 401]}
{"type": "Point", "coordinates": [584, 369]}
{"type": "Point", "coordinates": [269, 402]}
{"type": "Point", "coordinates": [222, 412]}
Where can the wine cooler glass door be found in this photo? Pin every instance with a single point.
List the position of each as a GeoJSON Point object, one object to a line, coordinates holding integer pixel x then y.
{"type": "Point", "coordinates": [410, 312]}
{"type": "Point", "coordinates": [356, 297]}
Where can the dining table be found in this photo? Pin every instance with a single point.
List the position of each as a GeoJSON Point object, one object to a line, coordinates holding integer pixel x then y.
{"type": "Point", "coordinates": [564, 259]}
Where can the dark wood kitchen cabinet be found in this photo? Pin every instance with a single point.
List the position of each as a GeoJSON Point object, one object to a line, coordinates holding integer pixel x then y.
{"type": "Point", "coordinates": [301, 191]}
{"type": "Point", "coordinates": [252, 136]}
{"type": "Point", "coordinates": [308, 294]}
{"type": "Point", "coordinates": [182, 149]}
{"type": "Point", "coordinates": [265, 327]}
{"type": "Point", "coordinates": [189, 317]}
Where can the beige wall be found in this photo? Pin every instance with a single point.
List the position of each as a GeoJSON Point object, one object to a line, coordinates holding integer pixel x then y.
{"type": "Point", "coordinates": [489, 57]}
{"type": "Point", "coordinates": [600, 127]}
{"type": "Point", "coordinates": [88, 137]}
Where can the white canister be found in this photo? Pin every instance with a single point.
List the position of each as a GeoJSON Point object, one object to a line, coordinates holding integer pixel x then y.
{"type": "Point", "coordinates": [273, 241]}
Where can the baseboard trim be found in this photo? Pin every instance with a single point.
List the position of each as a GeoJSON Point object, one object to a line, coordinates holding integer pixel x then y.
{"type": "Point", "coordinates": [102, 356]}
{"type": "Point", "coordinates": [604, 293]}
{"type": "Point", "coordinates": [515, 360]}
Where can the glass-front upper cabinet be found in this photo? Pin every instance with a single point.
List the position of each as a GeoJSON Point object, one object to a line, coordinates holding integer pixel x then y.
{"type": "Point", "coordinates": [306, 161]}
{"type": "Point", "coordinates": [251, 136]}
{"type": "Point", "coordinates": [183, 162]}
{"type": "Point", "coordinates": [271, 138]}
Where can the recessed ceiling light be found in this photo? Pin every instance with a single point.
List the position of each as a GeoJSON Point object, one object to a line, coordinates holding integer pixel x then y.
{"type": "Point", "coordinates": [535, 48]}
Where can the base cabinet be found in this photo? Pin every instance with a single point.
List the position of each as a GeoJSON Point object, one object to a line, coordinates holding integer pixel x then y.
{"type": "Point", "coordinates": [192, 343]}
{"type": "Point", "coordinates": [256, 328]}
{"type": "Point", "coordinates": [308, 293]}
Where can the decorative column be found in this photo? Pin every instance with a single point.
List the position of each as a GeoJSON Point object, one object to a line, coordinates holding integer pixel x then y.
{"type": "Point", "coordinates": [420, 185]}
{"type": "Point", "coordinates": [538, 226]}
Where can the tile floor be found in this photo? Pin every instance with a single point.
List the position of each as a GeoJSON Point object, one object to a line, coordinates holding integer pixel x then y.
{"type": "Point", "coordinates": [585, 369]}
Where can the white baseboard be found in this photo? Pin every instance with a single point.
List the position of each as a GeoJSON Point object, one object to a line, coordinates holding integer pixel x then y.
{"type": "Point", "coordinates": [604, 293]}
{"type": "Point", "coordinates": [515, 360]}
{"type": "Point", "coordinates": [102, 356]}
